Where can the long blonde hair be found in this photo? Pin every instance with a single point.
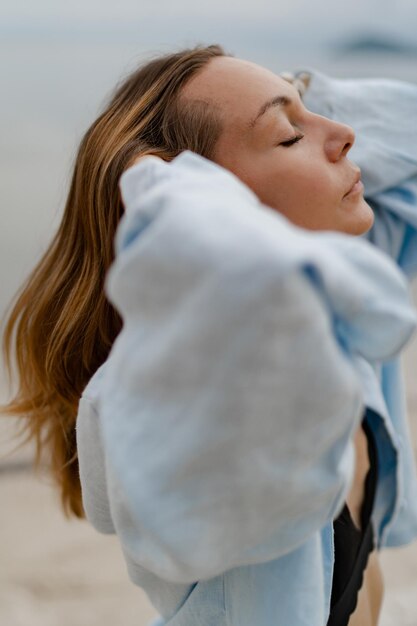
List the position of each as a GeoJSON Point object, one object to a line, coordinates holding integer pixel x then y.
{"type": "Point", "coordinates": [60, 326]}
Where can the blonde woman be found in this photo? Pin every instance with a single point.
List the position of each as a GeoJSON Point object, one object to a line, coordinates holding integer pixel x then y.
{"type": "Point", "coordinates": [222, 389]}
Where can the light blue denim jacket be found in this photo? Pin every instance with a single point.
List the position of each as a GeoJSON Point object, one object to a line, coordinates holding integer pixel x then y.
{"type": "Point", "coordinates": [216, 440]}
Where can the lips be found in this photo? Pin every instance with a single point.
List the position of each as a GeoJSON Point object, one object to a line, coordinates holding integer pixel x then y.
{"type": "Point", "coordinates": [356, 185]}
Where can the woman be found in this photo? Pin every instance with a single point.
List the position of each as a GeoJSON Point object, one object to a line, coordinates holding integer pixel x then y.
{"type": "Point", "coordinates": [251, 124]}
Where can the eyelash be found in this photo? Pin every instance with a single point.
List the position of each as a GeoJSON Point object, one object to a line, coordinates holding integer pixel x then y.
{"type": "Point", "coordinates": [291, 141]}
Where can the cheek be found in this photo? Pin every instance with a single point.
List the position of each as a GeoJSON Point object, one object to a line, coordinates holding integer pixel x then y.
{"type": "Point", "coordinates": [294, 183]}
{"type": "Point", "coordinates": [300, 191]}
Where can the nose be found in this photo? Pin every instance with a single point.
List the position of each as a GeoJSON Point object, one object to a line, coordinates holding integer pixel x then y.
{"type": "Point", "coordinates": [340, 138]}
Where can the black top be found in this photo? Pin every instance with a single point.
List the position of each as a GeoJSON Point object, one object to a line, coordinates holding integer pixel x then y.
{"type": "Point", "coordinates": [352, 546]}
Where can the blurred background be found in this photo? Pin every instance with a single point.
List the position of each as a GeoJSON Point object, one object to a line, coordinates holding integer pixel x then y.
{"type": "Point", "coordinates": [58, 62]}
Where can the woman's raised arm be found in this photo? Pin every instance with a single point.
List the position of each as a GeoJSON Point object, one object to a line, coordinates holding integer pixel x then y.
{"type": "Point", "coordinates": [229, 400]}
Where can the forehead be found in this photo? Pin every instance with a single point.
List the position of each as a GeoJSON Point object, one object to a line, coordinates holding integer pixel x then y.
{"type": "Point", "coordinates": [238, 87]}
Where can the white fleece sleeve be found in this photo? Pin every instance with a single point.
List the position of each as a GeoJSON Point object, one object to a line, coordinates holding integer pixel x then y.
{"type": "Point", "coordinates": [227, 406]}
{"type": "Point", "coordinates": [229, 400]}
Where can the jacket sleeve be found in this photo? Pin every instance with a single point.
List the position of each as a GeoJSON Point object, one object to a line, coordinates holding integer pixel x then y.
{"type": "Point", "coordinates": [383, 114]}
{"type": "Point", "coordinates": [227, 406]}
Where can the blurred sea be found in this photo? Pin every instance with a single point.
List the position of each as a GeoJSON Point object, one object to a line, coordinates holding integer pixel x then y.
{"type": "Point", "coordinates": [53, 89]}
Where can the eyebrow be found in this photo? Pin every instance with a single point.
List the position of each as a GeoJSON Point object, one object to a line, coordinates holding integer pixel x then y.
{"type": "Point", "coordinates": [276, 101]}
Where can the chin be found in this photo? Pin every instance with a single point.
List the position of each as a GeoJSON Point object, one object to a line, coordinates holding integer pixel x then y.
{"type": "Point", "coordinates": [359, 221]}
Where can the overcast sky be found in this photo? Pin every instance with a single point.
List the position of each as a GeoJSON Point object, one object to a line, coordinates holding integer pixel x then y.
{"type": "Point", "coordinates": [293, 21]}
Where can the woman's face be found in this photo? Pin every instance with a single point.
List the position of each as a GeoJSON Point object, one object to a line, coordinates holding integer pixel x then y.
{"type": "Point", "coordinates": [294, 160]}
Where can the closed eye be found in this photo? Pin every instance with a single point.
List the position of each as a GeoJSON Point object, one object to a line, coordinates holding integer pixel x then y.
{"type": "Point", "coordinates": [291, 141]}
